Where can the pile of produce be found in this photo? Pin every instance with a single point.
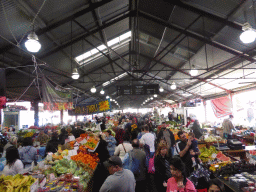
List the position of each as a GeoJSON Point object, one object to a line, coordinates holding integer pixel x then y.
{"type": "Point", "coordinates": [16, 183]}
{"type": "Point", "coordinates": [206, 154]}
{"type": "Point", "coordinates": [61, 167]}
{"type": "Point", "coordinates": [91, 143]}
{"type": "Point", "coordinates": [234, 168]}
{"type": "Point", "coordinates": [212, 139]}
{"type": "Point", "coordinates": [222, 157]}
{"type": "Point", "coordinates": [29, 134]}
{"type": "Point", "coordinates": [87, 159]}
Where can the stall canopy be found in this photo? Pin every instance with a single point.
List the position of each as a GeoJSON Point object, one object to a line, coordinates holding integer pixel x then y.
{"type": "Point", "coordinates": [222, 106]}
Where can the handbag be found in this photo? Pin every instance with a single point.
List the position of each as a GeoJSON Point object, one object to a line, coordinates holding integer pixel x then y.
{"type": "Point", "coordinates": [124, 148]}
{"type": "Point", "coordinates": [151, 165]}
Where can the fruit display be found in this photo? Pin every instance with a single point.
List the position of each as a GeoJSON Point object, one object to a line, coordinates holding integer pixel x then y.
{"type": "Point", "coordinates": [212, 139]}
{"type": "Point", "coordinates": [87, 159]}
{"type": "Point", "coordinates": [15, 183]}
{"type": "Point", "coordinates": [206, 154]}
{"type": "Point", "coordinates": [28, 134]}
{"type": "Point", "coordinates": [235, 168]}
{"type": "Point", "coordinates": [220, 156]}
{"type": "Point", "coordinates": [91, 143]}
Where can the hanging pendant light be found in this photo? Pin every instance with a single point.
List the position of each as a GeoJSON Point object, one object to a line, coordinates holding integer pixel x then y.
{"type": "Point", "coordinates": [161, 89]}
{"type": "Point", "coordinates": [75, 74]}
{"type": "Point", "coordinates": [93, 89]}
{"type": "Point", "coordinates": [151, 98]}
{"type": "Point", "coordinates": [155, 95]}
{"type": "Point", "coordinates": [32, 44]}
{"type": "Point", "coordinates": [248, 35]}
{"type": "Point", "coordinates": [102, 92]}
{"type": "Point", "coordinates": [107, 97]}
{"type": "Point", "coordinates": [173, 86]}
{"type": "Point", "coordinates": [193, 71]}
{"type": "Point", "coordinates": [111, 99]}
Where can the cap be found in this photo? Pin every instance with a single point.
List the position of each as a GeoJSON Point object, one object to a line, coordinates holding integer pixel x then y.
{"type": "Point", "coordinates": [113, 160]}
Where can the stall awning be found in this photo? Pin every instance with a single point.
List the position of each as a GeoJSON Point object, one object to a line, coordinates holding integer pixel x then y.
{"type": "Point", "coordinates": [222, 106]}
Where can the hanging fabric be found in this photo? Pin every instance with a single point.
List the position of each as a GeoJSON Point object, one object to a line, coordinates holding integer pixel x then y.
{"type": "Point", "coordinates": [222, 106]}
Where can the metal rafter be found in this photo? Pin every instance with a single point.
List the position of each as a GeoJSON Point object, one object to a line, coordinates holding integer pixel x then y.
{"type": "Point", "coordinates": [61, 22]}
{"type": "Point", "coordinates": [102, 33]}
{"type": "Point", "coordinates": [224, 21]}
{"type": "Point", "coordinates": [192, 77]}
{"type": "Point", "coordinates": [196, 36]}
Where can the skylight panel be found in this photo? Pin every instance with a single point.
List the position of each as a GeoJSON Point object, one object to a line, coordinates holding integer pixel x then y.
{"type": "Point", "coordinates": [102, 47]}
{"type": "Point", "coordinates": [125, 36]}
{"type": "Point", "coordinates": [114, 79]}
{"type": "Point", "coordinates": [94, 51]}
{"type": "Point", "coordinates": [113, 41]}
{"type": "Point", "coordinates": [93, 54]}
{"type": "Point", "coordinates": [83, 56]}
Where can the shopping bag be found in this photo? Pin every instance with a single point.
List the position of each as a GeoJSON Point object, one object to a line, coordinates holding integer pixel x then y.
{"type": "Point", "coordinates": [151, 165]}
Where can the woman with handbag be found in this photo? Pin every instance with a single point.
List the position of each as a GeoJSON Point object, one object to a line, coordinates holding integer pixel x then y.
{"type": "Point", "coordinates": [124, 147]}
{"type": "Point", "coordinates": [162, 167]}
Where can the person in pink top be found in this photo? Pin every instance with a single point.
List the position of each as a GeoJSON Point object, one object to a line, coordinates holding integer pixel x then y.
{"type": "Point", "coordinates": [179, 182]}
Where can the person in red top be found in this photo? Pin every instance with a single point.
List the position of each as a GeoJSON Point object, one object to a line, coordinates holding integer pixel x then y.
{"type": "Point", "coordinates": [189, 121]}
{"type": "Point", "coordinates": [179, 182]}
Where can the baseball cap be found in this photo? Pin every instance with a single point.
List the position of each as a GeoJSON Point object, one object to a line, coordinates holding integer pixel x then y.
{"type": "Point", "coordinates": [113, 160]}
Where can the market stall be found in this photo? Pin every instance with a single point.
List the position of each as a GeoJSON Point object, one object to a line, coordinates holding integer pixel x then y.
{"type": "Point", "coordinates": [69, 169]}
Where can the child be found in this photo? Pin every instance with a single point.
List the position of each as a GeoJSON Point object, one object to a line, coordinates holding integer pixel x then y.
{"type": "Point", "coordinates": [194, 151]}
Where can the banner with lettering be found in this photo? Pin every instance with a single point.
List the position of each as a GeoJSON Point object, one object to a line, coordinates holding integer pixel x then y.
{"type": "Point", "coordinates": [56, 98]}
{"type": "Point", "coordinates": [98, 107]}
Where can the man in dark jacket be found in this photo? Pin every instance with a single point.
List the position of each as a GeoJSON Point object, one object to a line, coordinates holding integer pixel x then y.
{"type": "Point", "coordinates": [168, 136]}
{"type": "Point", "coordinates": [139, 155]}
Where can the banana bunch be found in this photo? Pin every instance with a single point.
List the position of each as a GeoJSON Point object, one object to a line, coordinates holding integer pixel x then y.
{"type": "Point", "coordinates": [29, 134]}
{"type": "Point", "coordinates": [17, 183]}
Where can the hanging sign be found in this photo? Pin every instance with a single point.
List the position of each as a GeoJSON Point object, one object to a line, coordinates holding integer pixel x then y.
{"type": "Point", "coordinates": [99, 107]}
{"type": "Point", "coordinates": [55, 97]}
{"type": "Point", "coordinates": [138, 89]}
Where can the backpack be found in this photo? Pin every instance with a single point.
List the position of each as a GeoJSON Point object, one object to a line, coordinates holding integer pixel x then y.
{"type": "Point", "coordinates": [151, 165]}
{"type": "Point", "coordinates": [133, 164]}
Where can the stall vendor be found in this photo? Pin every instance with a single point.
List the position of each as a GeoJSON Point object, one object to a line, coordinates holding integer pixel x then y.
{"type": "Point", "coordinates": [227, 126]}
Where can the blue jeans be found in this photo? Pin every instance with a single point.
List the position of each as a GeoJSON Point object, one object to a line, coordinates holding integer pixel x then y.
{"type": "Point", "coordinates": [151, 154]}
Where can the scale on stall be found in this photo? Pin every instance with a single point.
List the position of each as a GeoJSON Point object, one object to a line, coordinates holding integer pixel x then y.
{"type": "Point", "coordinates": [234, 144]}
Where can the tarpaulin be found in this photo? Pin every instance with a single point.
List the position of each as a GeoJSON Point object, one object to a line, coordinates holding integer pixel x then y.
{"type": "Point", "coordinates": [55, 97]}
{"type": "Point", "coordinates": [222, 106]}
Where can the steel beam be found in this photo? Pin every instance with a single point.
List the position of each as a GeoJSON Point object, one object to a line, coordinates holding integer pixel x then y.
{"type": "Point", "coordinates": [61, 22]}
{"type": "Point", "coordinates": [97, 68]}
{"type": "Point", "coordinates": [196, 36]}
{"type": "Point", "coordinates": [83, 36]}
{"type": "Point", "coordinates": [181, 71]}
{"type": "Point", "coordinates": [209, 15]}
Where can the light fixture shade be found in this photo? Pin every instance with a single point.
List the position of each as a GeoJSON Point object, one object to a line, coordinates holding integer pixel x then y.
{"type": "Point", "coordinates": [248, 36]}
{"type": "Point", "coordinates": [193, 72]}
{"type": "Point", "coordinates": [107, 97]}
{"type": "Point", "coordinates": [155, 95]}
{"type": "Point", "coordinates": [75, 74]}
{"type": "Point", "coordinates": [151, 98]}
{"type": "Point", "coordinates": [173, 86]}
{"type": "Point", "coordinates": [32, 44]}
{"type": "Point", "coordinates": [111, 99]}
{"type": "Point", "coordinates": [93, 89]}
{"type": "Point", "coordinates": [161, 89]}
{"type": "Point", "coordinates": [102, 92]}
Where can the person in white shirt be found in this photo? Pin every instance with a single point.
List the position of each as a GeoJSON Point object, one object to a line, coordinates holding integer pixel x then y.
{"type": "Point", "coordinates": [13, 163]}
{"type": "Point", "coordinates": [149, 139]}
{"type": "Point", "coordinates": [124, 147]}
